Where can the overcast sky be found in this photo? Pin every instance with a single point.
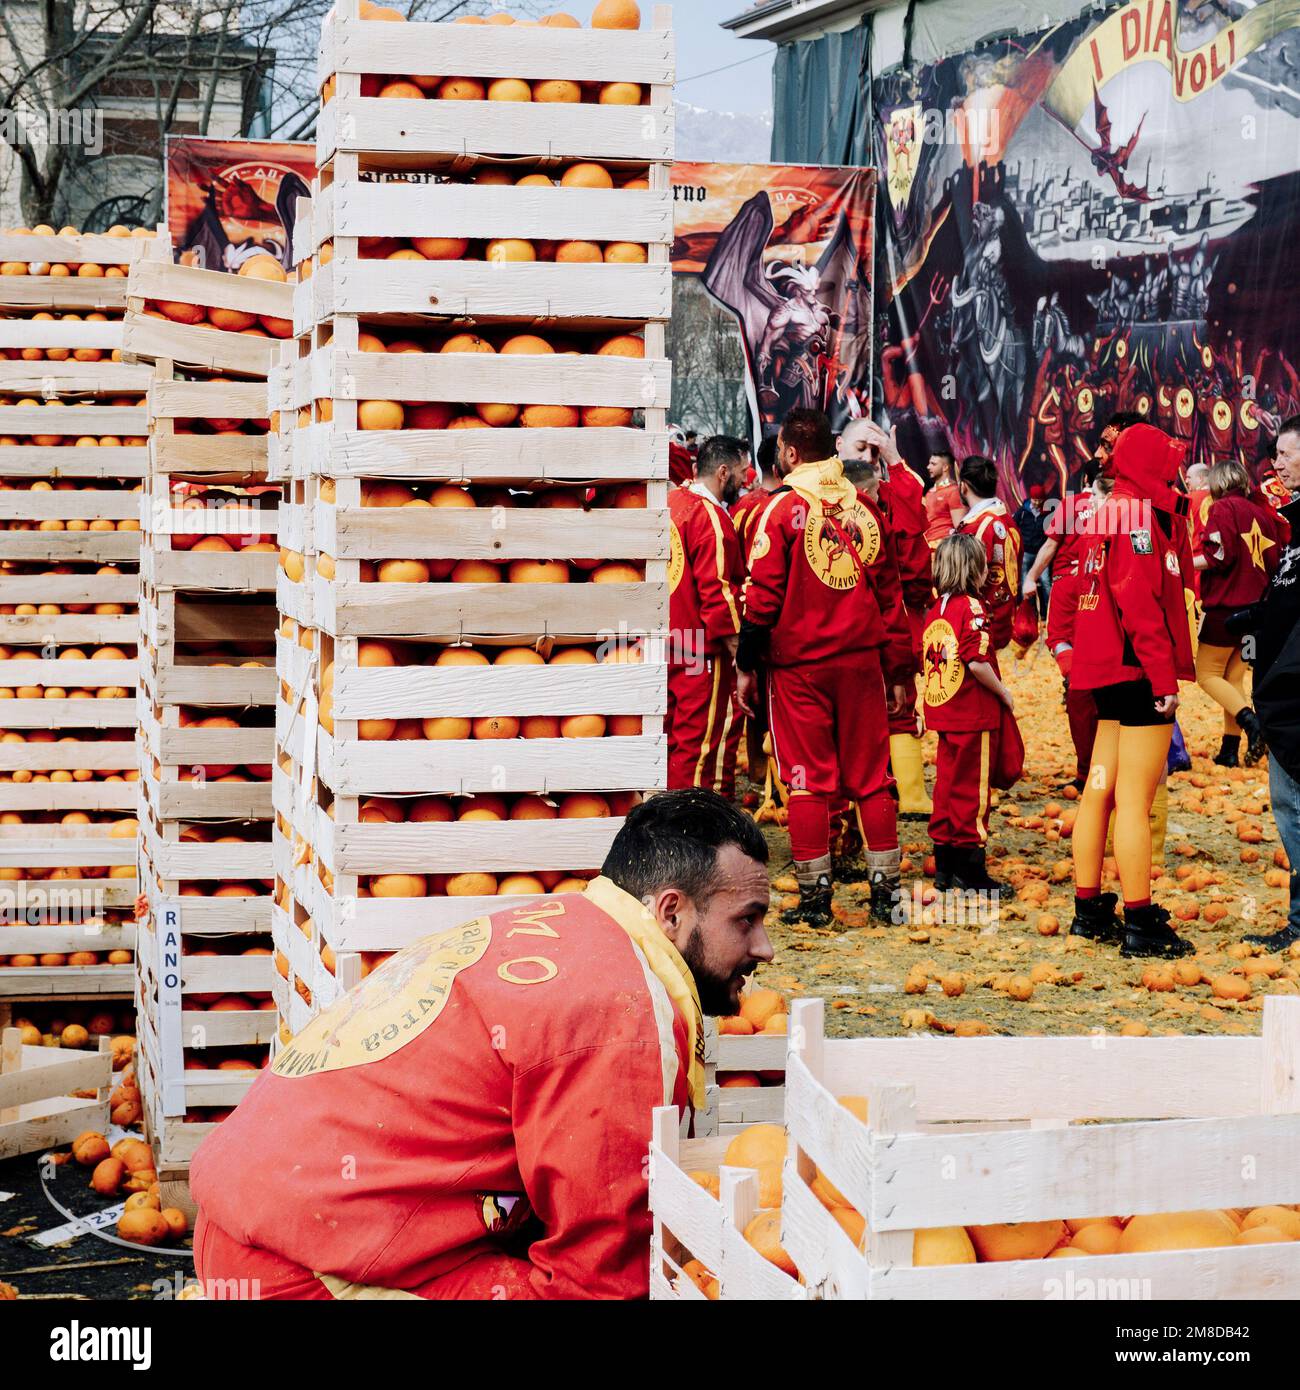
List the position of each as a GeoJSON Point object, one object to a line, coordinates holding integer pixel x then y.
{"type": "Point", "coordinates": [703, 47]}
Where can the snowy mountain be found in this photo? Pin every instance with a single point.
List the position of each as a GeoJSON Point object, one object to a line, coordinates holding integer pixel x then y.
{"type": "Point", "coordinates": [726, 137]}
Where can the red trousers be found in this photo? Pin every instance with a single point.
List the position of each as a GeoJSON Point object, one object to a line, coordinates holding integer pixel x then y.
{"type": "Point", "coordinates": [830, 739]}
{"type": "Point", "coordinates": [906, 720]}
{"type": "Point", "coordinates": [961, 788]}
{"type": "Point", "coordinates": [703, 726]}
{"type": "Point", "coordinates": [230, 1270]}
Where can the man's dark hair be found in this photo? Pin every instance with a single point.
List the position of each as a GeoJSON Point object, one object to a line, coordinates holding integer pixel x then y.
{"type": "Point", "coordinates": [766, 456]}
{"type": "Point", "coordinates": [980, 475]}
{"type": "Point", "coordinates": [1122, 419]}
{"type": "Point", "coordinates": [809, 434]}
{"type": "Point", "coordinates": [672, 841]}
{"type": "Point", "coordinates": [943, 454]}
{"type": "Point", "coordinates": [720, 450]}
{"type": "Point", "coordinates": [1291, 425]}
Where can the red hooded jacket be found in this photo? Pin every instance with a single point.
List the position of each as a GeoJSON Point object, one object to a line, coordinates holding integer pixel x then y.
{"type": "Point", "coordinates": [1242, 542]}
{"type": "Point", "coordinates": [904, 500]}
{"type": "Point", "coordinates": [992, 525]}
{"type": "Point", "coordinates": [807, 587]}
{"type": "Point", "coordinates": [486, 1096]}
{"type": "Point", "coordinates": [1134, 601]}
{"type": "Point", "coordinates": [705, 575]}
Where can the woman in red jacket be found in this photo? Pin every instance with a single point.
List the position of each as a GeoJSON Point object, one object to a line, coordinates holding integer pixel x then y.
{"type": "Point", "coordinates": [1132, 647]}
{"type": "Point", "coordinates": [1240, 545]}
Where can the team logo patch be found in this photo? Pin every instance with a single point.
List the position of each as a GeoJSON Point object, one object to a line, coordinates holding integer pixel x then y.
{"type": "Point", "coordinates": [388, 1009]}
{"type": "Point", "coordinates": [944, 673]}
{"type": "Point", "coordinates": [676, 558]}
{"type": "Point", "coordinates": [1171, 562]}
{"type": "Point", "coordinates": [762, 544]}
{"type": "Point", "coordinates": [826, 544]}
{"type": "Point", "coordinates": [1141, 541]}
{"type": "Point", "coordinates": [999, 530]}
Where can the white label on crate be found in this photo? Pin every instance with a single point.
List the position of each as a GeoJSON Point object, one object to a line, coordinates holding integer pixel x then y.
{"type": "Point", "coordinates": [70, 1230]}
{"type": "Point", "coordinates": [172, 1058]}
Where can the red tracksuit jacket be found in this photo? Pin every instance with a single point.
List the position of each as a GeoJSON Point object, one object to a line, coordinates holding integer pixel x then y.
{"type": "Point", "coordinates": [992, 525]}
{"type": "Point", "coordinates": [904, 500]}
{"type": "Point", "coordinates": [1242, 541]}
{"type": "Point", "coordinates": [1132, 622]}
{"type": "Point", "coordinates": [486, 1086]}
{"type": "Point", "coordinates": [957, 633]}
{"type": "Point", "coordinates": [705, 575]}
{"type": "Point", "coordinates": [745, 514]}
{"type": "Point", "coordinates": [1070, 525]}
{"type": "Point", "coordinates": [806, 587]}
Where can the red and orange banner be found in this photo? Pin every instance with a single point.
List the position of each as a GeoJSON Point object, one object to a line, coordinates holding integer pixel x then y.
{"type": "Point", "coordinates": [228, 200]}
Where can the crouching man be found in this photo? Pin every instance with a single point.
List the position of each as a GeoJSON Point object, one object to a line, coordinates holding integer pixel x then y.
{"type": "Point", "coordinates": [471, 1121]}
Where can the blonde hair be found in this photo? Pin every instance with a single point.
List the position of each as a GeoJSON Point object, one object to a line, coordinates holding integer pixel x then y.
{"type": "Point", "coordinates": [960, 565]}
{"type": "Point", "coordinates": [1228, 476]}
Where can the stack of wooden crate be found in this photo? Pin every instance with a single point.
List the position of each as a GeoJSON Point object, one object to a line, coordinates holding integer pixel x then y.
{"type": "Point", "coordinates": [454, 728]}
{"type": "Point", "coordinates": [207, 691]}
{"type": "Point", "coordinates": [73, 458]}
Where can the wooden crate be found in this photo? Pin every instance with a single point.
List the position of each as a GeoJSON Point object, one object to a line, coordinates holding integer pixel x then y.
{"type": "Point", "coordinates": [37, 1108]}
{"type": "Point", "coordinates": [72, 292]}
{"type": "Point", "coordinates": [992, 1130]}
{"type": "Point", "coordinates": [148, 339]}
{"type": "Point", "coordinates": [352, 47]}
{"type": "Point", "coordinates": [690, 1223]}
{"type": "Point", "coordinates": [731, 1109]}
{"type": "Point", "coordinates": [176, 397]}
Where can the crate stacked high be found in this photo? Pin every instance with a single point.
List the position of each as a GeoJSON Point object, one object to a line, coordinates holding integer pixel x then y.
{"type": "Point", "coordinates": [474, 429]}
{"type": "Point", "coordinates": [73, 457]}
{"type": "Point", "coordinates": [207, 689]}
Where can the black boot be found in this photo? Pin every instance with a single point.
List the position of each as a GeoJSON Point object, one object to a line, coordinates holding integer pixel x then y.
{"type": "Point", "coordinates": [1097, 919]}
{"type": "Point", "coordinates": [886, 886]}
{"type": "Point", "coordinates": [970, 872]}
{"type": "Point", "coordinates": [814, 906]}
{"type": "Point", "coordinates": [1147, 933]}
{"type": "Point", "coordinates": [847, 850]}
{"type": "Point", "coordinates": [1228, 750]}
{"type": "Point", "coordinates": [1256, 744]}
{"type": "Point", "coordinates": [942, 868]}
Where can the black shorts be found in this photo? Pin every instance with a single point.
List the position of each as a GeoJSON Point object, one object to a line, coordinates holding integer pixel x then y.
{"type": "Point", "coordinates": [1131, 703]}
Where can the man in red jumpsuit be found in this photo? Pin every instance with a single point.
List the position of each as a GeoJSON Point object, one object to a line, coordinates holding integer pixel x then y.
{"type": "Point", "coordinates": [824, 613]}
{"type": "Point", "coordinates": [470, 1122]}
{"type": "Point", "coordinates": [989, 521]}
{"type": "Point", "coordinates": [898, 491]}
{"type": "Point", "coordinates": [705, 577]}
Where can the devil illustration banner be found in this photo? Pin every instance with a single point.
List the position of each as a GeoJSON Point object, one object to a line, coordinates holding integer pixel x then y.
{"type": "Point", "coordinates": [1096, 218]}
{"type": "Point", "coordinates": [228, 200]}
{"type": "Point", "coordinates": [785, 251]}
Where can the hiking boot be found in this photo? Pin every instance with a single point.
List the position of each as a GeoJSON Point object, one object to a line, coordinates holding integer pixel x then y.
{"type": "Point", "coordinates": [886, 887]}
{"type": "Point", "coordinates": [815, 891]}
{"type": "Point", "coordinates": [1277, 941]}
{"type": "Point", "coordinates": [942, 868]}
{"type": "Point", "coordinates": [1097, 918]}
{"type": "Point", "coordinates": [1228, 751]}
{"type": "Point", "coordinates": [1256, 743]}
{"type": "Point", "coordinates": [970, 872]}
{"type": "Point", "coordinates": [1147, 933]}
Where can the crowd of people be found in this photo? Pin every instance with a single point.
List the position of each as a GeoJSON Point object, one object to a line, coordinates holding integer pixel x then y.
{"type": "Point", "coordinates": [831, 603]}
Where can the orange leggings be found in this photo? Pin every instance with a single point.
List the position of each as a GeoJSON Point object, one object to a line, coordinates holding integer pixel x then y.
{"type": "Point", "coordinates": [1127, 765]}
{"type": "Point", "coordinates": [1221, 673]}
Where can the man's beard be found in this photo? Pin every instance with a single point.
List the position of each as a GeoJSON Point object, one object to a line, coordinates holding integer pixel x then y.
{"type": "Point", "coordinates": [719, 994]}
{"type": "Point", "coordinates": [730, 492]}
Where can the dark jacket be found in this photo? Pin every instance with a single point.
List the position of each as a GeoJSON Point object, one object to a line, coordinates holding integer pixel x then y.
{"type": "Point", "coordinates": [1033, 529]}
{"type": "Point", "coordinates": [1277, 653]}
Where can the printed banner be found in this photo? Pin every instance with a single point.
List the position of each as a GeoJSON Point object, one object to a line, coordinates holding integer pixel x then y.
{"type": "Point", "coordinates": [228, 200]}
{"type": "Point", "coordinates": [1089, 220]}
{"type": "Point", "coordinates": [775, 261]}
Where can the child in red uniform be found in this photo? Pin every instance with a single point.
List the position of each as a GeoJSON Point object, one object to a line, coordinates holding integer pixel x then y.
{"type": "Point", "coordinates": [1133, 645]}
{"type": "Point", "coordinates": [1241, 543]}
{"type": "Point", "coordinates": [994, 527]}
{"type": "Point", "coordinates": [963, 695]}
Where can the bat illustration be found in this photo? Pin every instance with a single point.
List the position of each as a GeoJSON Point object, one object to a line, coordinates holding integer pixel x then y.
{"type": "Point", "coordinates": [1110, 162]}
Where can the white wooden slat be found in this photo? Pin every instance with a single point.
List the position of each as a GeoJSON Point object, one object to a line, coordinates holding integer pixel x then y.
{"type": "Point", "coordinates": [482, 212]}
{"type": "Point", "coordinates": [207, 400]}
{"type": "Point", "coordinates": [59, 333]}
{"type": "Point", "coordinates": [62, 461]}
{"type": "Point", "coordinates": [163, 280]}
{"type": "Point", "coordinates": [72, 250]}
{"type": "Point", "coordinates": [86, 504]}
{"type": "Point", "coordinates": [74, 420]}
{"type": "Point", "coordinates": [369, 125]}
{"type": "Point", "coordinates": [578, 55]}
{"type": "Point", "coordinates": [62, 294]}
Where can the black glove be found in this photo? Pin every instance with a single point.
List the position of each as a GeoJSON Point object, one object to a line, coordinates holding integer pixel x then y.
{"type": "Point", "coordinates": [751, 652]}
